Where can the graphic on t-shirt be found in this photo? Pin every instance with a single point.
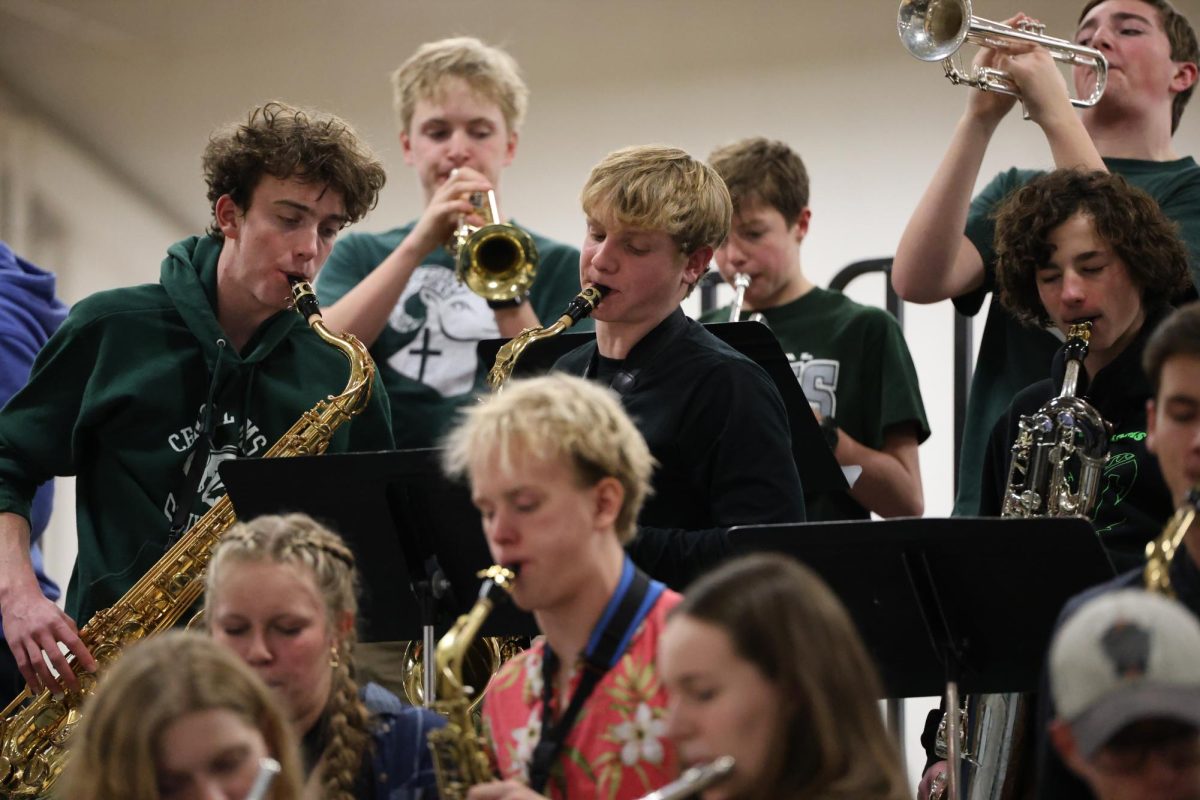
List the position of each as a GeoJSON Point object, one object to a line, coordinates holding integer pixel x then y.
{"type": "Point", "coordinates": [248, 440]}
{"type": "Point", "coordinates": [1116, 482]}
{"type": "Point", "coordinates": [443, 320]}
{"type": "Point", "coordinates": [818, 379]}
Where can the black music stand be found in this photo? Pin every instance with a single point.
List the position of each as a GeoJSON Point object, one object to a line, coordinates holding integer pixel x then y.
{"type": "Point", "coordinates": [414, 533]}
{"type": "Point", "coordinates": [819, 470]}
{"type": "Point", "coordinates": [976, 595]}
{"type": "Point", "coordinates": [945, 605]}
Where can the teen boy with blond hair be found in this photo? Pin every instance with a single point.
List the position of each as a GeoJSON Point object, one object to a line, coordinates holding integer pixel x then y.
{"type": "Point", "coordinates": [459, 104]}
{"type": "Point", "coordinates": [712, 418]}
{"type": "Point", "coordinates": [559, 472]}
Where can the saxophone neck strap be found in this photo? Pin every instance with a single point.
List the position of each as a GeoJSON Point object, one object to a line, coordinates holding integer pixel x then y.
{"type": "Point", "coordinates": [636, 594]}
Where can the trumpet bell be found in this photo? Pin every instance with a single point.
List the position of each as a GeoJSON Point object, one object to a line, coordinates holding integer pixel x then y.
{"type": "Point", "coordinates": [933, 30]}
{"type": "Point", "coordinates": [497, 262]}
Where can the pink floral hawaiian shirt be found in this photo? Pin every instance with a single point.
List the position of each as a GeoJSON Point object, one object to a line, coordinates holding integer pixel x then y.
{"type": "Point", "coordinates": [617, 749]}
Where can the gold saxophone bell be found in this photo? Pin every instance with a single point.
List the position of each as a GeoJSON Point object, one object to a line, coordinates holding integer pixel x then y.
{"type": "Point", "coordinates": [1162, 551]}
{"type": "Point", "coordinates": [495, 260]}
{"type": "Point", "coordinates": [481, 661]}
{"type": "Point", "coordinates": [936, 30]}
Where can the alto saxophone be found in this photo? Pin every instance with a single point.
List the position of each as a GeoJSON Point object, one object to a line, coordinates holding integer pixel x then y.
{"type": "Point", "coordinates": [581, 306]}
{"type": "Point", "coordinates": [34, 731]}
{"type": "Point", "coordinates": [460, 758]}
{"type": "Point", "coordinates": [493, 652]}
{"type": "Point", "coordinates": [1066, 428]}
{"type": "Point", "coordinates": [1161, 552]}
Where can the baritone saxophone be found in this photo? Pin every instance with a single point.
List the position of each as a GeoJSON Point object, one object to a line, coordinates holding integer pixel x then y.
{"type": "Point", "coordinates": [35, 731]}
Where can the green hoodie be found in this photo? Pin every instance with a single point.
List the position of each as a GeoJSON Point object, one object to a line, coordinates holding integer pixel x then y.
{"type": "Point", "coordinates": [122, 392]}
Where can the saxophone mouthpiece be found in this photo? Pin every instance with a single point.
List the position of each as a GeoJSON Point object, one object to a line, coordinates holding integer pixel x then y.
{"type": "Point", "coordinates": [497, 575]}
{"type": "Point", "coordinates": [584, 303]}
{"type": "Point", "coordinates": [304, 298]}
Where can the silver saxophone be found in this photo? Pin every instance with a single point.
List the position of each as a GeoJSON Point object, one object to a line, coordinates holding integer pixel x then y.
{"type": "Point", "coordinates": [1066, 436]}
{"type": "Point", "coordinates": [1065, 432]}
{"type": "Point", "coordinates": [695, 779]}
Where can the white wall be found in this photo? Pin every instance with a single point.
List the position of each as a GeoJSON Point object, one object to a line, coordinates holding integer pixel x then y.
{"type": "Point", "coordinates": [63, 210]}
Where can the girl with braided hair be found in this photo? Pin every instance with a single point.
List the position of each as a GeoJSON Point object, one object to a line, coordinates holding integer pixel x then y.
{"type": "Point", "coordinates": [281, 594]}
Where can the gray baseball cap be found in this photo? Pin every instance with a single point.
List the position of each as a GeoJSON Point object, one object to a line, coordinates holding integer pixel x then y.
{"type": "Point", "coordinates": [1125, 656]}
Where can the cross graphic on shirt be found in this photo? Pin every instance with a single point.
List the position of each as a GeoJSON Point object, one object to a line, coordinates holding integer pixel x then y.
{"type": "Point", "coordinates": [424, 352]}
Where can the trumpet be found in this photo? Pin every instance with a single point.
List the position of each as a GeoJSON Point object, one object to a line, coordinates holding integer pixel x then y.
{"type": "Point", "coordinates": [741, 282]}
{"type": "Point", "coordinates": [935, 30]}
{"type": "Point", "coordinates": [495, 260]}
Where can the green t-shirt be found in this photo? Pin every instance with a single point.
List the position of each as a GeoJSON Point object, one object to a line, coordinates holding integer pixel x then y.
{"type": "Point", "coordinates": [1013, 356]}
{"type": "Point", "coordinates": [426, 351]}
{"type": "Point", "coordinates": [853, 364]}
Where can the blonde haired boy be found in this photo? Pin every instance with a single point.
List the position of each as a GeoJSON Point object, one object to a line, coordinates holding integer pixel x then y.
{"type": "Point", "coordinates": [460, 104]}
{"type": "Point", "coordinates": [712, 418]}
{"type": "Point", "coordinates": [558, 472]}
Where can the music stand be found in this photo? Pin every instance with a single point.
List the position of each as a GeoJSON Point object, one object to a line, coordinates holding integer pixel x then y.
{"type": "Point", "coordinates": [415, 535]}
{"type": "Point", "coordinates": [970, 602]}
{"type": "Point", "coordinates": [819, 470]}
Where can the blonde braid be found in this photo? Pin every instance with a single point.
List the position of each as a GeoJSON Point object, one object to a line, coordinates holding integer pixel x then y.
{"type": "Point", "coordinates": [348, 736]}
{"type": "Point", "coordinates": [297, 539]}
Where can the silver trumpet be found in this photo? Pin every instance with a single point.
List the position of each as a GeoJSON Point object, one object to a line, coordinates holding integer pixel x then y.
{"type": "Point", "coordinates": [741, 282]}
{"type": "Point", "coordinates": [935, 30]}
{"type": "Point", "coordinates": [696, 779]}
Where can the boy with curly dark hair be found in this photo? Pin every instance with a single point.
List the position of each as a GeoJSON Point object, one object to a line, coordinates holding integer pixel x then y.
{"type": "Point", "coordinates": [1076, 247]}
{"type": "Point", "coordinates": [144, 390]}
{"type": "Point", "coordinates": [948, 249]}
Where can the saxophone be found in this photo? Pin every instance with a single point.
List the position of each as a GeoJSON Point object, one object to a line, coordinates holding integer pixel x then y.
{"type": "Point", "coordinates": [492, 652]}
{"type": "Point", "coordinates": [581, 306]}
{"type": "Point", "coordinates": [460, 758]}
{"type": "Point", "coordinates": [1066, 428]}
{"type": "Point", "coordinates": [34, 731]}
{"type": "Point", "coordinates": [1161, 552]}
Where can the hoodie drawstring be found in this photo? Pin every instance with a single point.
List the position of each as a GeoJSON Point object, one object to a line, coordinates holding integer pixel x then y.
{"type": "Point", "coordinates": [186, 496]}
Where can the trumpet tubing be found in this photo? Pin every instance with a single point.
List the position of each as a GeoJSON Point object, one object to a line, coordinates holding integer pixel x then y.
{"type": "Point", "coordinates": [936, 30]}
